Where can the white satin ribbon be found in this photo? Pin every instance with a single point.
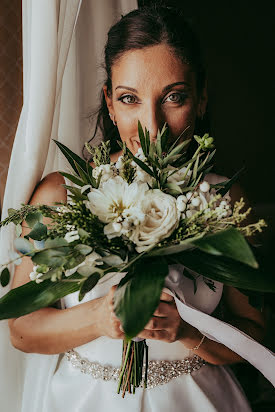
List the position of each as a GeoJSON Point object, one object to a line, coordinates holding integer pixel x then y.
{"type": "Point", "coordinates": [239, 342]}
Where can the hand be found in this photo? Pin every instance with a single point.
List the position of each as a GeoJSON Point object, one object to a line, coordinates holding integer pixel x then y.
{"type": "Point", "coordinates": [166, 324]}
{"type": "Point", "coordinates": [108, 324]}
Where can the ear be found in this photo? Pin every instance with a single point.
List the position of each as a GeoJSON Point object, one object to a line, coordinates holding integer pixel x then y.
{"type": "Point", "coordinates": [202, 103]}
{"type": "Point", "coordinates": [108, 100]}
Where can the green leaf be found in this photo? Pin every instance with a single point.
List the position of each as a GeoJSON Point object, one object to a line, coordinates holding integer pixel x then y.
{"type": "Point", "coordinates": [158, 145]}
{"type": "Point", "coordinates": [229, 242]}
{"type": "Point", "coordinates": [11, 211]}
{"type": "Point", "coordinates": [18, 230]}
{"type": "Point", "coordinates": [24, 246]}
{"type": "Point", "coordinates": [83, 174]}
{"type": "Point", "coordinates": [83, 249]}
{"type": "Point", "coordinates": [88, 285]}
{"type": "Point", "coordinates": [33, 296]}
{"type": "Point", "coordinates": [5, 277]}
{"type": "Point", "coordinates": [227, 185]}
{"type": "Point", "coordinates": [38, 232]}
{"type": "Point", "coordinates": [173, 249]}
{"type": "Point", "coordinates": [173, 189]}
{"type": "Point", "coordinates": [142, 139]}
{"type": "Point", "coordinates": [58, 242]}
{"type": "Point", "coordinates": [86, 270]}
{"type": "Point", "coordinates": [226, 270]}
{"type": "Point", "coordinates": [76, 192]}
{"type": "Point", "coordinates": [136, 299]}
{"type": "Point", "coordinates": [73, 179]}
{"type": "Point", "coordinates": [73, 158]}
{"type": "Point", "coordinates": [33, 218]}
{"type": "Point", "coordinates": [50, 257]}
{"type": "Point", "coordinates": [140, 163]}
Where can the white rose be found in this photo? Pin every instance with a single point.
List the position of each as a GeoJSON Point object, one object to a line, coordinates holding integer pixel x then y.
{"type": "Point", "coordinates": [162, 218]}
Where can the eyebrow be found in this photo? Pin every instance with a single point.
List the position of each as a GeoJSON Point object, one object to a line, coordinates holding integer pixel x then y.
{"type": "Point", "coordinates": [165, 89]}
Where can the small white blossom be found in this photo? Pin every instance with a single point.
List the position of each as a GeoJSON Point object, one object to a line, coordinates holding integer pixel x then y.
{"type": "Point", "coordinates": [71, 236]}
{"type": "Point", "coordinates": [34, 275]}
{"type": "Point", "coordinates": [107, 172]}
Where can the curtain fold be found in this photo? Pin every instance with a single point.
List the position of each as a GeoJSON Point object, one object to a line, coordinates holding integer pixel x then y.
{"type": "Point", "coordinates": [62, 53]}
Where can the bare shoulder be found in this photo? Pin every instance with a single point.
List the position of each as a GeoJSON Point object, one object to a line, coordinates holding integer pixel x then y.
{"type": "Point", "coordinates": [50, 190]}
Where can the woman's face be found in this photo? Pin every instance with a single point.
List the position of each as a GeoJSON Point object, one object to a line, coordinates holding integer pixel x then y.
{"type": "Point", "coordinates": [153, 86]}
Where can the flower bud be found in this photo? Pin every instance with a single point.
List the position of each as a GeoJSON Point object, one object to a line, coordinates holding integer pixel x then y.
{"type": "Point", "coordinates": [204, 187]}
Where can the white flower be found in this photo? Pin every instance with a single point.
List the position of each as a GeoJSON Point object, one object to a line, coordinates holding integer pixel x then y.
{"type": "Point", "coordinates": [162, 218]}
{"type": "Point", "coordinates": [177, 177]}
{"type": "Point", "coordinates": [119, 204]}
{"type": "Point", "coordinates": [92, 260]}
{"type": "Point", "coordinates": [71, 236]}
{"type": "Point", "coordinates": [34, 275]}
{"type": "Point", "coordinates": [107, 172]}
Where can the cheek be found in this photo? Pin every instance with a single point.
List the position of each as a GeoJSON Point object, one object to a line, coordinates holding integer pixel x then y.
{"type": "Point", "coordinates": [179, 120]}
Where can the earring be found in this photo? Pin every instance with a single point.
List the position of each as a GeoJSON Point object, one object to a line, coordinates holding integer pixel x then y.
{"type": "Point", "coordinates": [113, 120]}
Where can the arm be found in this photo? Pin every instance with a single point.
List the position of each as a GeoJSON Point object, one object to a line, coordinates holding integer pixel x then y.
{"type": "Point", "coordinates": [50, 330]}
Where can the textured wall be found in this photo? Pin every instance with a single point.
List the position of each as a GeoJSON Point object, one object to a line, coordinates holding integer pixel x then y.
{"type": "Point", "coordinates": [11, 80]}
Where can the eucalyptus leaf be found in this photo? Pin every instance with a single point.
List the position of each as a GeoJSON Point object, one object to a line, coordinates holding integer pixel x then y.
{"type": "Point", "coordinates": [50, 257]}
{"type": "Point", "coordinates": [88, 285]}
{"type": "Point", "coordinates": [33, 218]}
{"type": "Point", "coordinates": [136, 299]}
{"type": "Point", "coordinates": [83, 249]}
{"type": "Point", "coordinates": [5, 277]}
{"type": "Point", "coordinates": [18, 230]}
{"type": "Point", "coordinates": [33, 296]}
{"type": "Point", "coordinates": [86, 270]}
{"type": "Point", "coordinates": [24, 246]}
{"type": "Point", "coordinates": [58, 242]}
{"type": "Point", "coordinates": [38, 232]}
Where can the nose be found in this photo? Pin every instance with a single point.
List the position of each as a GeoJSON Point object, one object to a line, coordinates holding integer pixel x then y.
{"type": "Point", "coordinates": [152, 120]}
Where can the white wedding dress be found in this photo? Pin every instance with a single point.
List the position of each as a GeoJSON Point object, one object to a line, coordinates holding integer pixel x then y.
{"type": "Point", "coordinates": [211, 388]}
{"type": "Point", "coordinates": [208, 389]}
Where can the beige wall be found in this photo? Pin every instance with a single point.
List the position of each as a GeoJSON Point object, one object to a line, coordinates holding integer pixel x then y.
{"type": "Point", "coordinates": [11, 80]}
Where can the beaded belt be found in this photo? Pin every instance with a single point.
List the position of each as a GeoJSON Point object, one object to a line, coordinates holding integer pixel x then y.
{"type": "Point", "coordinates": [159, 371]}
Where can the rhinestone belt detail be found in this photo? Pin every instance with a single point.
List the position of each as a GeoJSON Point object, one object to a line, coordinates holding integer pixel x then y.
{"type": "Point", "coordinates": [159, 371]}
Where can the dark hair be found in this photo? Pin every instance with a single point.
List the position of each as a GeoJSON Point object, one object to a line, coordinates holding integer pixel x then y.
{"type": "Point", "coordinates": [143, 27]}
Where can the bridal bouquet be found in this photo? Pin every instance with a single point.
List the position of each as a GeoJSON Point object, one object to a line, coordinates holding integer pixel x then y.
{"type": "Point", "coordinates": [137, 216]}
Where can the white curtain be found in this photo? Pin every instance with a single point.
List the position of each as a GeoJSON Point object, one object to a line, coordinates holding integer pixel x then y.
{"type": "Point", "coordinates": [63, 43]}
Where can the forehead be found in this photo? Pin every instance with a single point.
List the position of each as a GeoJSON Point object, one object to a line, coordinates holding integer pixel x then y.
{"type": "Point", "coordinates": [156, 66]}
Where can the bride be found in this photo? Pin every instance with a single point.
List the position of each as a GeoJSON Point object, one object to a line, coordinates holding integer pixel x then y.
{"type": "Point", "coordinates": [154, 74]}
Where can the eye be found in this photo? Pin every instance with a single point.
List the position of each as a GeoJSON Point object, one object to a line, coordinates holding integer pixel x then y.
{"type": "Point", "coordinates": [127, 99]}
{"type": "Point", "coordinates": [176, 97]}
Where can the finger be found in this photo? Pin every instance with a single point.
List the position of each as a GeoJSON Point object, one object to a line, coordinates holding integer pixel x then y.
{"type": "Point", "coordinates": [166, 297]}
{"type": "Point", "coordinates": [153, 334]}
{"type": "Point", "coordinates": [157, 323]}
{"type": "Point", "coordinates": [164, 309]}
